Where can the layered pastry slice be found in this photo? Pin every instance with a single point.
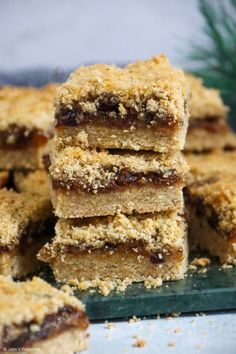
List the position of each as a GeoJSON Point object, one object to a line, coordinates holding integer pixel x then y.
{"type": "Point", "coordinates": [37, 318]}
{"type": "Point", "coordinates": [206, 165]}
{"type": "Point", "coordinates": [208, 126]}
{"type": "Point", "coordinates": [140, 107]}
{"type": "Point", "coordinates": [92, 183]}
{"type": "Point", "coordinates": [212, 216]}
{"type": "Point", "coordinates": [26, 125]}
{"type": "Point", "coordinates": [36, 182]}
{"type": "Point", "coordinates": [114, 251]}
{"type": "Point", "coordinates": [26, 223]}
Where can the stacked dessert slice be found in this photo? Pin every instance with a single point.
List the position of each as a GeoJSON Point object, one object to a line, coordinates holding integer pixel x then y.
{"type": "Point", "coordinates": [117, 176]}
{"type": "Point", "coordinates": [208, 126]}
{"type": "Point", "coordinates": [211, 204]}
{"type": "Point", "coordinates": [26, 125]}
{"type": "Point", "coordinates": [35, 317]}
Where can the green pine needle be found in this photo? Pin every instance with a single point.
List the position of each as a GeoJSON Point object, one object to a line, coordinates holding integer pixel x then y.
{"type": "Point", "coordinates": [216, 60]}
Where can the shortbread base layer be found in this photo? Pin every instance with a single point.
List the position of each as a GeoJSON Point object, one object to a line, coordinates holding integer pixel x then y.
{"type": "Point", "coordinates": [92, 135]}
{"type": "Point", "coordinates": [22, 159]}
{"type": "Point", "coordinates": [78, 204]}
{"type": "Point", "coordinates": [68, 342]}
{"type": "Point", "coordinates": [116, 268]}
{"type": "Point", "coordinates": [199, 140]}
{"type": "Point", "coordinates": [202, 236]}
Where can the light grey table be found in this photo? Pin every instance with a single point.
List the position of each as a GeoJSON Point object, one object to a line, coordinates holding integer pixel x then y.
{"type": "Point", "coordinates": [208, 334]}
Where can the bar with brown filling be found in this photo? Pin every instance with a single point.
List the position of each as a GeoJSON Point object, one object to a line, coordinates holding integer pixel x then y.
{"type": "Point", "coordinates": [26, 125]}
{"type": "Point", "coordinates": [26, 224]}
{"type": "Point", "coordinates": [208, 125]}
{"type": "Point", "coordinates": [211, 213]}
{"type": "Point", "coordinates": [92, 182]}
{"type": "Point", "coordinates": [115, 251]}
{"type": "Point", "coordinates": [35, 317]}
{"type": "Point", "coordinates": [139, 107]}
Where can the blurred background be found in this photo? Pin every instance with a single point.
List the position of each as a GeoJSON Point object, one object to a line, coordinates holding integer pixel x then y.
{"type": "Point", "coordinates": [60, 33]}
{"type": "Point", "coordinates": [44, 40]}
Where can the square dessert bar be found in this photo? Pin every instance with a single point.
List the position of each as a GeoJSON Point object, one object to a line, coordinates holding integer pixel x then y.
{"type": "Point", "coordinates": [37, 318]}
{"type": "Point", "coordinates": [207, 165]}
{"type": "Point", "coordinates": [26, 125]}
{"type": "Point", "coordinates": [114, 251]}
{"type": "Point", "coordinates": [212, 216]}
{"type": "Point", "coordinates": [26, 223]}
{"type": "Point", "coordinates": [36, 182]}
{"type": "Point", "coordinates": [139, 107]}
{"type": "Point", "coordinates": [91, 183]}
{"type": "Point", "coordinates": [208, 126]}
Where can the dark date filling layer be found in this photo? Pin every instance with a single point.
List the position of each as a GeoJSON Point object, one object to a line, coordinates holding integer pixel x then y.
{"type": "Point", "coordinates": [207, 212]}
{"type": "Point", "coordinates": [110, 117]}
{"type": "Point", "coordinates": [65, 319]}
{"type": "Point", "coordinates": [211, 124]}
{"type": "Point", "coordinates": [137, 247]}
{"type": "Point", "coordinates": [123, 178]}
{"type": "Point", "coordinates": [20, 137]}
{"type": "Point", "coordinates": [36, 232]}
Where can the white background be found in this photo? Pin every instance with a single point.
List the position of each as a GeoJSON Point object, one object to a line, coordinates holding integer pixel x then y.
{"type": "Point", "coordinates": [64, 33]}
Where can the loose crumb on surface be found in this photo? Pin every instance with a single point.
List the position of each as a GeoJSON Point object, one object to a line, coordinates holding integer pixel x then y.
{"type": "Point", "coordinates": [201, 262]}
{"type": "Point", "coordinates": [171, 344]}
{"type": "Point", "coordinates": [226, 266]}
{"type": "Point", "coordinates": [177, 330]}
{"type": "Point", "coordinates": [68, 289]}
{"type": "Point", "coordinates": [139, 343]}
{"type": "Point", "coordinates": [202, 270]}
{"type": "Point", "coordinates": [134, 319]}
{"type": "Point", "coordinates": [109, 325]}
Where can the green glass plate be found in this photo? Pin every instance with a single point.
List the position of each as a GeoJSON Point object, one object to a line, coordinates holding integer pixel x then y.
{"type": "Point", "coordinates": [213, 290]}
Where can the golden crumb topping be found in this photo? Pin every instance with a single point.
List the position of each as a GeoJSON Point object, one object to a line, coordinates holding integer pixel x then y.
{"type": "Point", "coordinates": [145, 86]}
{"type": "Point", "coordinates": [204, 102]}
{"type": "Point", "coordinates": [23, 302]}
{"type": "Point", "coordinates": [97, 169]}
{"type": "Point", "coordinates": [154, 230]}
{"type": "Point", "coordinates": [36, 182]}
{"type": "Point", "coordinates": [27, 107]}
{"type": "Point", "coordinates": [203, 165]}
{"type": "Point", "coordinates": [18, 211]}
{"type": "Point", "coordinates": [218, 194]}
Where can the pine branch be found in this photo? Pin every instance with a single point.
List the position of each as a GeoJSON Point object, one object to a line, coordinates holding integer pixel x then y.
{"type": "Point", "coordinates": [216, 60]}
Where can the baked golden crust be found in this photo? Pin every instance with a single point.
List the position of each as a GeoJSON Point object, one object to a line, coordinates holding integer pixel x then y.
{"type": "Point", "coordinates": [152, 85]}
{"type": "Point", "coordinates": [19, 211]}
{"type": "Point", "coordinates": [210, 164]}
{"type": "Point", "coordinates": [152, 229]}
{"type": "Point", "coordinates": [23, 302]}
{"type": "Point", "coordinates": [27, 107]}
{"type": "Point", "coordinates": [96, 170]}
{"type": "Point", "coordinates": [204, 102]}
{"type": "Point", "coordinates": [36, 182]}
{"type": "Point", "coordinates": [4, 175]}
{"type": "Point", "coordinates": [217, 195]}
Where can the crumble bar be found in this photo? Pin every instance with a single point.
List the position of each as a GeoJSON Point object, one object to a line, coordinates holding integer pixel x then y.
{"type": "Point", "coordinates": [210, 164]}
{"type": "Point", "coordinates": [26, 125]}
{"type": "Point", "coordinates": [26, 223]}
{"type": "Point", "coordinates": [36, 182]}
{"type": "Point", "coordinates": [208, 126]}
{"type": "Point", "coordinates": [37, 318]}
{"type": "Point", "coordinates": [212, 216]}
{"type": "Point", "coordinates": [139, 107]}
{"type": "Point", "coordinates": [115, 251]}
{"type": "Point", "coordinates": [92, 183]}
